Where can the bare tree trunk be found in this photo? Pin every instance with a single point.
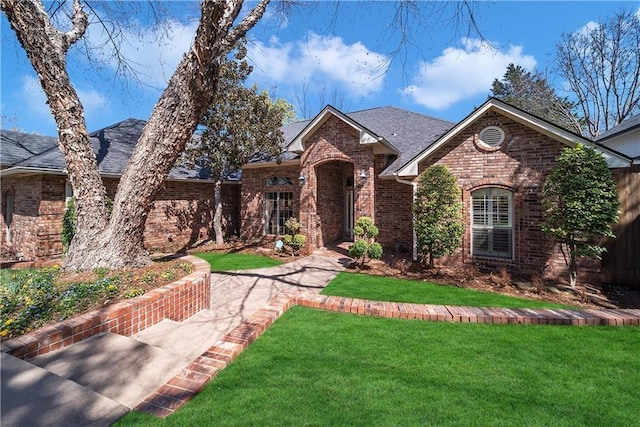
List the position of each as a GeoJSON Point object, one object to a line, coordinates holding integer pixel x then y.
{"type": "Point", "coordinates": [217, 217]}
{"type": "Point", "coordinates": [573, 266]}
{"type": "Point", "coordinates": [47, 48]}
{"type": "Point", "coordinates": [119, 242]}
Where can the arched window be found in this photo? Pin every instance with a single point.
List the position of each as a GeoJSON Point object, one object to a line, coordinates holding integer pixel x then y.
{"type": "Point", "coordinates": [7, 211]}
{"type": "Point", "coordinates": [492, 223]}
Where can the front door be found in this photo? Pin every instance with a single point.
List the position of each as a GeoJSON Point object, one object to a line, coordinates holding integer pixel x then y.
{"type": "Point", "coordinates": [348, 214]}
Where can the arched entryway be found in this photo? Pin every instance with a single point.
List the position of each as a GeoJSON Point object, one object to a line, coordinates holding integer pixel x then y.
{"type": "Point", "coordinates": [335, 201]}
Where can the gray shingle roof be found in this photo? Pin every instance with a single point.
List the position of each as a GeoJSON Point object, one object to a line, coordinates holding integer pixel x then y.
{"type": "Point", "coordinates": [408, 131]}
{"type": "Point", "coordinates": [113, 146]}
{"type": "Point", "coordinates": [16, 147]}
{"type": "Point", "coordinates": [627, 125]}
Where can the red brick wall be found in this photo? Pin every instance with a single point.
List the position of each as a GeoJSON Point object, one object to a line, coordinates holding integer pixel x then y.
{"type": "Point", "coordinates": [335, 141]}
{"type": "Point", "coordinates": [394, 217]}
{"type": "Point", "coordinates": [332, 154]}
{"type": "Point", "coordinates": [37, 216]}
{"type": "Point", "coordinates": [182, 215]}
{"type": "Point", "coordinates": [252, 197]}
{"type": "Point", "coordinates": [521, 165]}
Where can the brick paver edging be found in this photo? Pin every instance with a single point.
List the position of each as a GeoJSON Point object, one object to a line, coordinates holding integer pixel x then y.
{"type": "Point", "coordinates": [177, 301]}
{"type": "Point", "coordinates": [196, 375]}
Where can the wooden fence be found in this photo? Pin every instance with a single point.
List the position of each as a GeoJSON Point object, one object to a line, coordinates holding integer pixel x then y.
{"type": "Point", "coordinates": [621, 262]}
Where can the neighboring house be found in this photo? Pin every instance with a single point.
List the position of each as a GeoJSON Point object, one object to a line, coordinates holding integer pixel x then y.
{"type": "Point", "coordinates": [621, 262]}
{"type": "Point", "coordinates": [340, 166]}
{"type": "Point", "coordinates": [35, 189]}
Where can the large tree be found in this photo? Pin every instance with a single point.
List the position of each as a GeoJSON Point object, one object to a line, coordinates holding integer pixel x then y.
{"type": "Point", "coordinates": [117, 240]}
{"type": "Point", "coordinates": [240, 123]}
{"type": "Point", "coordinates": [530, 91]}
{"type": "Point", "coordinates": [580, 204]}
{"type": "Point", "coordinates": [601, 64]}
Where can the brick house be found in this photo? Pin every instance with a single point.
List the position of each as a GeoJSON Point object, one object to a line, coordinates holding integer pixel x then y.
{"type": "Point", "coordinates": [340, 166]}
{"type": "Point", "coordinates": [35, 189]}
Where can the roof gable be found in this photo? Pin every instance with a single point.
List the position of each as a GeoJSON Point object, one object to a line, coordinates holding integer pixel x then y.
{"type": "Point", "coordinates": [367, 137]}
{"type": "Point", "coordinates": [542, 126]}
{"type": "Point", "coordinates": [401, 133]}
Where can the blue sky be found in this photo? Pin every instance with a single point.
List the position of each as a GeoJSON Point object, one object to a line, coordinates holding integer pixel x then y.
{"type": "Point", "coordinates": [319, 55]}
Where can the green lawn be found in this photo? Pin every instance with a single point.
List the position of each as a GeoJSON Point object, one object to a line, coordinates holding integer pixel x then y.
{"type": "Point", "coordinates": [229, 261]}
{"type": "Point", "coordinates": [322, 368]}
{"type": "Point", "coordinates": [381, 288]}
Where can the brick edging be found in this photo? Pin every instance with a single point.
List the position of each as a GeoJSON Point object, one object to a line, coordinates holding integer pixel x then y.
{"type": "Point", "coordinates": [181, 388]}
{"type": "Point", "coordinates": [177, 301]}
{"type": "Point", "coordinates": [447, 313]}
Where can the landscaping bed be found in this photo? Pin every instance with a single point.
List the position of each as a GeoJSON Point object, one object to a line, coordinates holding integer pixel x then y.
{"type": "Point", "coordinates": [33, 298]}
{"type": "Point", "coordinates": [472, 277]}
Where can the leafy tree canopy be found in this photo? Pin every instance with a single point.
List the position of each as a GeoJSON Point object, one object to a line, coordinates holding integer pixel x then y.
{"type": "Point", "coordinates": [580, 204]}
{"type": "Point", "coordinates": [532, 92]}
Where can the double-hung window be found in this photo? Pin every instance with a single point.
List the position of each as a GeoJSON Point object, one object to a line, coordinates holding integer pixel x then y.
{"type": "Point", "coordinates": [492, 223]}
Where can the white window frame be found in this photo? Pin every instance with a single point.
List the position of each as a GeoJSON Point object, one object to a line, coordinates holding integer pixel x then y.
{"type": "Point", "coordinates": [492, 219]}
{"type": "Point", "coordinates": [68, 192]}
{"type": "Point", "coordinates": [8, 207]}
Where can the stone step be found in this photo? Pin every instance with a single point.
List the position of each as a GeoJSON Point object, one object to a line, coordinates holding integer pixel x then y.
{"type": "Point", "coordinates": [32, 396]}
{"type": "Point", "coordinates": [189, 338]}
{"type": "Point", "coordinates": [118, 367]}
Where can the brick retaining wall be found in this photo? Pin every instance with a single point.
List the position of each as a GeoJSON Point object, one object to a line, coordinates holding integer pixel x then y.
{"type": "Point", "coordinates": [177, 301]}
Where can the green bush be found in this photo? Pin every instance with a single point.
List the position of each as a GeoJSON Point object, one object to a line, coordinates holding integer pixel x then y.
{"type": "Point", "coordinates": [358, 249]}
{"type": "Point", "coordinates": [68, 225]}
{"type": "Point", "coordinates": [580, 204]}
{"type": "Point", "coordinates": [293, 239]}
{"type": "Point", "coordinates": [365, 248]}
{"type": "Point", "coordinates": [374, 251]}
{"type": "Point", "coordinates": [437, 211]}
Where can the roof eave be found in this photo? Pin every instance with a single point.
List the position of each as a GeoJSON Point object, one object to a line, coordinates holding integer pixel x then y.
{"type": "Point", "coordinates": [260, 165]}
{"type": "Point", "coordinates": [614, 160]}
{"type": "Point", "coordinates": [380, 144]}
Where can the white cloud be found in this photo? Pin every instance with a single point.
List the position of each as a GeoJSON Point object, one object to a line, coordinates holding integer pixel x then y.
{"type": "Point", "coordinates": [31, 90]}
{"type": "Point", "coordinates": [37, 108]}
{"type": "Point", "coordinates": [319, 61]}
{"type": "Point", "coordinates": [152, 56]}
{"type": "Point", "coordinates": [462, 73]}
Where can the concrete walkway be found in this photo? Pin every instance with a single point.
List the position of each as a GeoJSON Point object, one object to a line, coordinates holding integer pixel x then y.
{"type": "Point", "coordinates": [71, 386]}
{"type": "Point", "coordinates": [235, 296]}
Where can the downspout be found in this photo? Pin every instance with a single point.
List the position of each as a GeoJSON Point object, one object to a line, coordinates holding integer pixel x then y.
{"type": "Point", "coordinates": [414, 186]}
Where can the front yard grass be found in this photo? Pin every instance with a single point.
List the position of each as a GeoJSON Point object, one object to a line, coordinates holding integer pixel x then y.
{"type": "Point", "coordinates": [321, 368]}
{"type": "Point", "coordinates": [380, 288]}
{"type": "Point", "coordinates": [230, 261]}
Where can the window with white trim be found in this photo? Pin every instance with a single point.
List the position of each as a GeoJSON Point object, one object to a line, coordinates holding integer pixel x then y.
{"type": "Point", "coordinates": [7, 211]}
{"type": "Point", "coordinates": [68, 192]}
{"type": "Point", "coordinates": [278, 208]}
{"type": "Point", "coordinates": [492, 223]}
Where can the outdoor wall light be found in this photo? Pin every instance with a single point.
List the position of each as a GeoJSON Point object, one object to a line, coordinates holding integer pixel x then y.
{"type": "Point", "coordinates": [363, 174]}
{"type": "Point", "coordinates": [301, 180]}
